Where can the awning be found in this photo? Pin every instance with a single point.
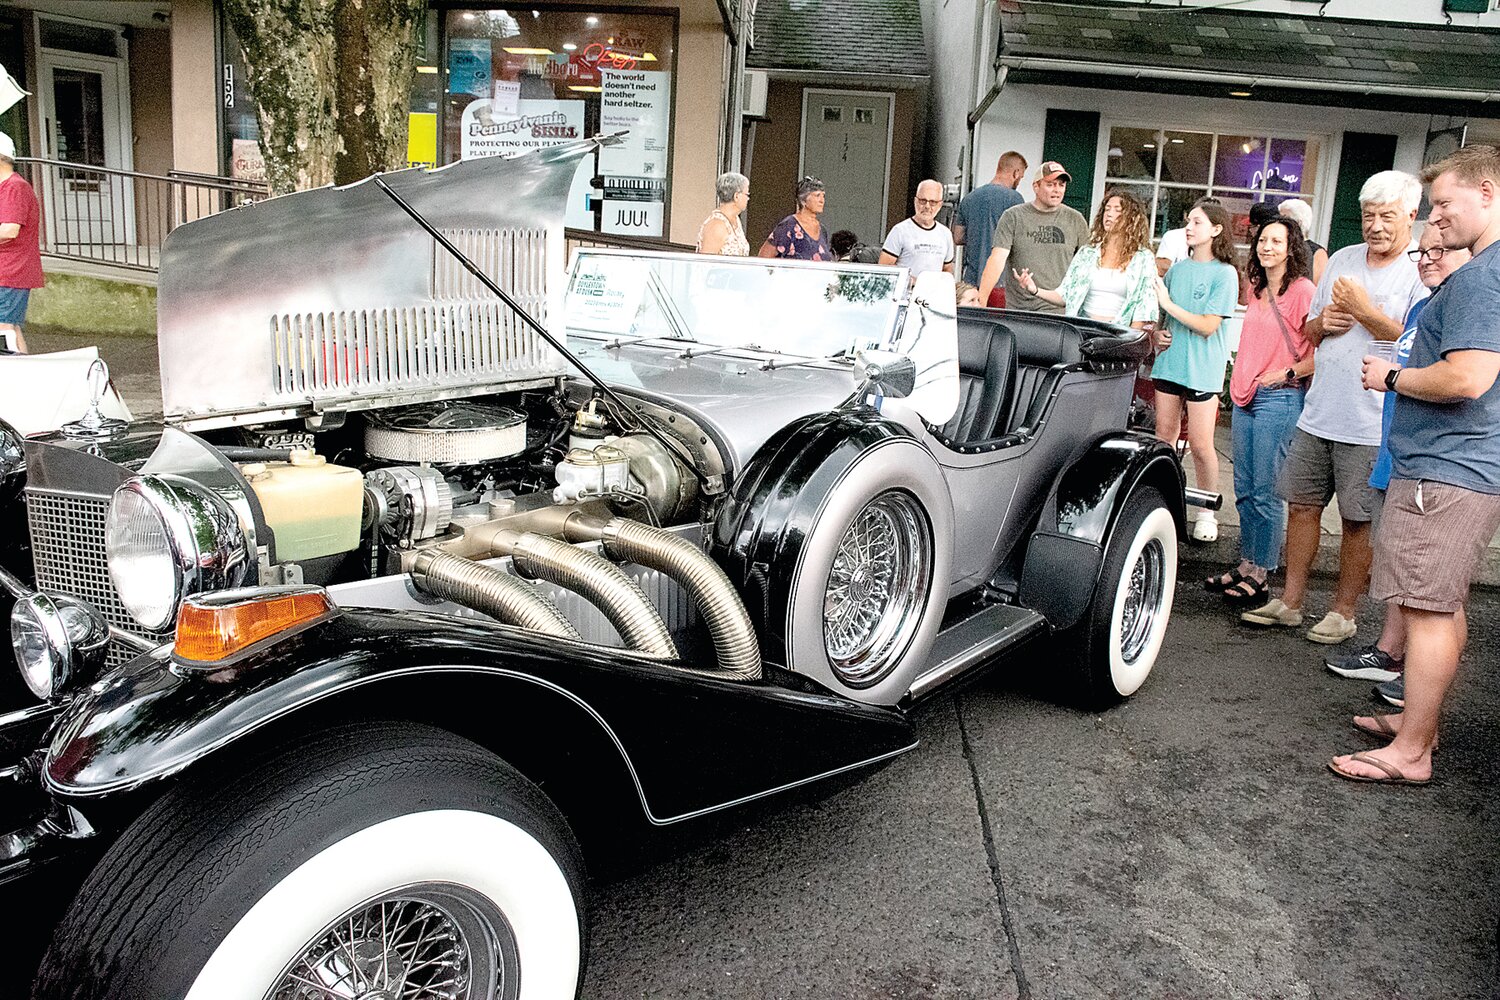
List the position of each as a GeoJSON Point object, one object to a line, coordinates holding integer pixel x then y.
{"type": "Point", "coordinates": [1216, 52]}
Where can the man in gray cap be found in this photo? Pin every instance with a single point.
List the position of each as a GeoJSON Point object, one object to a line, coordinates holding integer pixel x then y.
{"type": "Point", "coordinates": [1040, 236]}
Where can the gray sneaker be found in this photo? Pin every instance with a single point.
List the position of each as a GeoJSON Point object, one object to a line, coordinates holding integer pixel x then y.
{"type": "Point", "coordinates": [1369, 664]}
{"type": "Point", "coordinates": [1393, 691]}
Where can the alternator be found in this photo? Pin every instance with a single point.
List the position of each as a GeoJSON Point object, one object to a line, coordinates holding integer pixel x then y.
{"type": "Point", "coordinates": [408, 504]}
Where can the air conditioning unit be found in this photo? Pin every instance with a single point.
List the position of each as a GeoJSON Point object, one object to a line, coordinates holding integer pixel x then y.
{"type": "Point", "coordinates": [753, 87]}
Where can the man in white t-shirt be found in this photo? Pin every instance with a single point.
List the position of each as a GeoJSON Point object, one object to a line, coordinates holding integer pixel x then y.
{"type": "Point", "coordinates": [1365, 294]}
{"type": "Point", "coordinates": [921, 243]}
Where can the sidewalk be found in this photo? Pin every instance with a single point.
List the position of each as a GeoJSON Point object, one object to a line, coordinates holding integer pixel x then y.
{"type": "Point", "coordinates": [1226, 551]}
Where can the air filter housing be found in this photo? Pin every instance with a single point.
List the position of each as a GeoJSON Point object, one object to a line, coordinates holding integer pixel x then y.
{"type": "Point", "coordinates": [446, 434]}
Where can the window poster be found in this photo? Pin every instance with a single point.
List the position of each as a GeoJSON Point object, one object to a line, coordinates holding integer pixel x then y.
{"type": "Point", "coordinates": [469, 66]}
{"type": "Point", "coordinates": [636, 102]}
{"type": "Point", "coordinates": [536, 124]}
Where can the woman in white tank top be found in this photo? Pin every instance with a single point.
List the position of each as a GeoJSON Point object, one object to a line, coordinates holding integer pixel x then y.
{"type": "Point", "coordinates": [1113, 278]}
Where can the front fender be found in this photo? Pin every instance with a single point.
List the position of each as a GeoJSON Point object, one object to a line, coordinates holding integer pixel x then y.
{"type": "Point", "coordinates": [689, 744]}
{"type": "Point", "coordinates": [1065, 556]}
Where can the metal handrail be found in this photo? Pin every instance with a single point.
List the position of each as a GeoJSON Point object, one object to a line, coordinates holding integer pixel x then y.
{"type": "Point", "coordinates": [174, 177]}
{"type": "Point", "coordinates": [121, 218]}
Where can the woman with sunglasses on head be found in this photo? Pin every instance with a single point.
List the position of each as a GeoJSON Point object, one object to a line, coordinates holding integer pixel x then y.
{"type": "Point", "coordinates": [1266, 387]}
{"type": "Point", "coordinates": [1113, 277]}
{"type": "Point", "coordinates": [800, 236]}
{"type": "Point", "coordinates": [1198, 295]}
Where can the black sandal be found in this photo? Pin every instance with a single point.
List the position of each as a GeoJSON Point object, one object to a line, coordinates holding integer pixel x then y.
{"type": "Point", "coordinates": [1224, 580]}
{"type": "Point", "coordinates": [1247, 591]}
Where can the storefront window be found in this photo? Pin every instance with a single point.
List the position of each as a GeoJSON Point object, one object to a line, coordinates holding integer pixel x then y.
{"type": "Point", "coordinates": [518, 79]}
{"type": "Point", "coordinates": [1170, 170]}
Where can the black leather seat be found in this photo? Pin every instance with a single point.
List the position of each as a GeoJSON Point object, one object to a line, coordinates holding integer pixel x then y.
{"type": "Point", "coordinates": [1044, 345]}
{"type": "Point", "coordinates": [986, 378]}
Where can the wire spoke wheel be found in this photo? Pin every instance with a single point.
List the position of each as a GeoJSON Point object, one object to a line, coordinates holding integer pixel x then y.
{"type": "Point", "coordinates": [877, 587]}
{"type": "Point", "coordinates": [425, 942]}
{"type": "Point", "coordinates": [1143, 601]}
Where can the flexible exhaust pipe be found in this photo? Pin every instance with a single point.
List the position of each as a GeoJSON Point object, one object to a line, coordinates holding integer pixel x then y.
{"type": "Point", "coordinates": [709, 587]}
{"type": "Point", "coordinates": [488, 590]}
{"type": "Point", "coordinates": [599, 581]}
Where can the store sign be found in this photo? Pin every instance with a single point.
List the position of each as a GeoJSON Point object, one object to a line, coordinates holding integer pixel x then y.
{"type": "Point", "coordinates": [536, 124]}
{"type": "Point", "coordinates": [246, 162]}
{"type": "Point", "coordinates": [633, 218]}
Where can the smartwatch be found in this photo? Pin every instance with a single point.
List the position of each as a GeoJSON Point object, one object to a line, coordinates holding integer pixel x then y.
{"type": "Point", "coordinates": [1390, 379]}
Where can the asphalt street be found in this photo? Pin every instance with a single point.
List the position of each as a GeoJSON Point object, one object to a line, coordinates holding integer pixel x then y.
{"type": "Point", "coordinates": [1187, 844]}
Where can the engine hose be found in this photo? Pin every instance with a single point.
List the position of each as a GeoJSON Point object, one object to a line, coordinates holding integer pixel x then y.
{"type": "Point", "coordinates": [497, 594]}
{"type": "Point", "coordinates": [723, 612]}
{"type": "Point", "coordinates": [599, 581]}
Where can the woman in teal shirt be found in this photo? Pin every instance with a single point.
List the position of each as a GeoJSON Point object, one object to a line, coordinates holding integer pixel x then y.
{"type": "Point", "coordinates": [1198, 295]}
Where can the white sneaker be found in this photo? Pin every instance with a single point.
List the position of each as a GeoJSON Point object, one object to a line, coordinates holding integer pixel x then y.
{"type": "Point", "coordinates": [1205, 527]}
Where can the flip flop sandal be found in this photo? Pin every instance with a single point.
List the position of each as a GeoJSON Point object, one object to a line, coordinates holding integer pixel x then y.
{"type": "Point", "coordinates": [1247, 591]}
{"type": "Point", "coordinates": [1224, 580]}
{"type": "Point", "coordinates": [1393, 774]}
{"type": "Point", "coordinates": [1381, 729]}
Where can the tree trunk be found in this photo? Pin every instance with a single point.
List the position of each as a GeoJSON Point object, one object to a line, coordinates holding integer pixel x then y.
{"type": "Point", "coordinates": [331, 80]}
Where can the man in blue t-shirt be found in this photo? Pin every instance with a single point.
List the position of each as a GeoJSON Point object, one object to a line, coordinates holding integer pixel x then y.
{"type": "Point", "coordinates": [1385, 660]}
{"type": "Point", "coordinates": [1443, 503]}
{"type": "Point", "coordinates": [974, 222]}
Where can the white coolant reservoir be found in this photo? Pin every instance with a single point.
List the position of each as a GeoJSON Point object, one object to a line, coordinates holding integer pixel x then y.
{"type": "Point", "coordinates": [312, 507]}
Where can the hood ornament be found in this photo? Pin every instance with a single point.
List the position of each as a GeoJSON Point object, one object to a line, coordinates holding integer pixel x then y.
{"type": "Point", "coordinates": [93, 423]}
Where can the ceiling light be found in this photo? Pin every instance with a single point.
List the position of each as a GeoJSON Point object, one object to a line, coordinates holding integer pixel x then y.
{"type": "Point", "coordinates": [1239, 93]}
{"type": "Point", "coordinates": [535, 14]}
{"type": "Point", "coordinates": [426, 69]}
{"type": "Point", "coordinates": [569, 46]}
{"type": "Point", "coordinates": [586, 90]}
{"type": "Point", "coordinates": [1245, 148]}
{"type": "Point", "coordinates": [469, 15]}
{"type": "Point", "coordinates": [1148, 145]}
{"type": "Point", "coordinates": [591, 21]}
{"type": "Point", "coordinates": [1178, 142]}
{"type": "Point", "coordinates": [518, 51]}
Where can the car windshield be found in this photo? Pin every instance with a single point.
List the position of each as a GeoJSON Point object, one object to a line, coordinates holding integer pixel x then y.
{"type": "Point", "coordinates": [780, 307]}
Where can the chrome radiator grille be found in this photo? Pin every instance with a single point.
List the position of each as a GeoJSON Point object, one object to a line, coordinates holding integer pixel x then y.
{"type": "Point", "coordinates": [67, 547]}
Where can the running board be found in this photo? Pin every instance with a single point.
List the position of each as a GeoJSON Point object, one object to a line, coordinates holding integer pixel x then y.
{"type": "Point", "coordinates": [970, 642]}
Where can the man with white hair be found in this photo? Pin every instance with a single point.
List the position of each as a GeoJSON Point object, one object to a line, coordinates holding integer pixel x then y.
{"type": "Point", "coordinates": [1300, 212]}
{"type": "Point", "coordinates": [921, 243]}
{"type": "Point", "coordinates": [1364, 296]}
{"type": "Point", "coordinates": [20, 248]}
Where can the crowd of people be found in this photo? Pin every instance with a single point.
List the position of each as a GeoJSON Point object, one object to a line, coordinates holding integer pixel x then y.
{"type": "Point", "coordinates": [1368, 376]}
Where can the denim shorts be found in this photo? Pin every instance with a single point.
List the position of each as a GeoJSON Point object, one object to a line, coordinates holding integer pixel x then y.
{"type": "Point", "coordinates": [13, 305]}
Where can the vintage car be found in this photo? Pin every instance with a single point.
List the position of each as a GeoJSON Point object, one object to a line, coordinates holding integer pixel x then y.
{"type": "Point", "coordinates": [327, 668]}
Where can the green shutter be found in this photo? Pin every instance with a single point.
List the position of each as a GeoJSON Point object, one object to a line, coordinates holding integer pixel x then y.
{"type": "Point", "coordinates": [1466, 6]}
{"type": "Point", "coordinates": [1364, 153]}
{"type": "Point", "coordinates": [1072, 139]}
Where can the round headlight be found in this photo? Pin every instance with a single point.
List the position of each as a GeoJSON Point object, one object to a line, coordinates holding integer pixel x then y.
{"type": "Point", "coordinates": [167, 538]}
{"type": "Point", "coordinates": [40, 638]}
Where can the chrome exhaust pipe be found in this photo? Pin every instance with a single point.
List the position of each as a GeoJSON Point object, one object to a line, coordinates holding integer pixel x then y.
{"type": "Point", "coordinates": [487, 590]}
{"type": "Point", "coordinates": [598, 581]}
{"type": "Point", "coordinates": [709, 587]}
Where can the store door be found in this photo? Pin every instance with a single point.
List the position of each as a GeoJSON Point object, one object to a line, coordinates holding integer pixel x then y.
{"type": "Point", "coordinates": [846, 143]}
{"type": "Point", "coordinates": [85, 122]}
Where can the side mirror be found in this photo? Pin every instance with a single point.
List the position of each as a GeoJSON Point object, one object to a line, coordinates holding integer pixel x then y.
{"type": "Point", "coordinates": [894, 375]}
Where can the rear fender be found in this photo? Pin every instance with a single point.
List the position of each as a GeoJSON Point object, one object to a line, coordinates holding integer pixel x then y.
{"type": "Point", "coordinates": [1066, 554]}
{"type": "Point", "coordinates": [684, 744]}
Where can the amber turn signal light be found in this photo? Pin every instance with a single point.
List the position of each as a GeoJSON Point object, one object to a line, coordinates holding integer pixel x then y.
{"type": "Point", "coordinates": [214, 627]}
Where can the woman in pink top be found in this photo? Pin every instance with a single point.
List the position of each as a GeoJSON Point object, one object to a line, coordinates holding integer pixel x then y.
{"type": "Point", "coordinates": [1267, 386]}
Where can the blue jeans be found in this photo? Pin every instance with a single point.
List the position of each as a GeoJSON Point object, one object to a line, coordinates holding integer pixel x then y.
{"type": "Point", "coordinates": [1262, 433]}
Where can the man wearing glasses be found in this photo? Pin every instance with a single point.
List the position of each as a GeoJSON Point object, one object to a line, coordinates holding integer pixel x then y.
{"type": "Point", "coordinates": [921, 243]}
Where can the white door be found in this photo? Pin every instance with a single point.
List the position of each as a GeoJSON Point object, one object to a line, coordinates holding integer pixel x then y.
{"type": "Point", "coordinates": [846, 143]}
{"type": "Point", "coordinates": [85, 120]}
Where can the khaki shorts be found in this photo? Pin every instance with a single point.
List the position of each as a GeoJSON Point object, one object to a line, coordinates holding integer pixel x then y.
{"type": "Point", "coordinates": [1431, 538]}
{"type": "Point", "coordinates": [1316, 470]}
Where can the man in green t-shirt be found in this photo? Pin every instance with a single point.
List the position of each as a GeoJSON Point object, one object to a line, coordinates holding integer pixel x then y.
{"type": "Point", "coordinates": [1040, 236]}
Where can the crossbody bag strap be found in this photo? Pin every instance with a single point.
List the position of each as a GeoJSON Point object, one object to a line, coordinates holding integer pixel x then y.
{"type": "Point", "coordinates": [1286, 333]}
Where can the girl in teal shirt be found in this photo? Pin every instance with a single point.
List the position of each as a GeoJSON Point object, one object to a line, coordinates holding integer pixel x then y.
{"type": "Point", "coordinates": [1198, 295]}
